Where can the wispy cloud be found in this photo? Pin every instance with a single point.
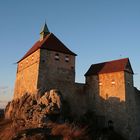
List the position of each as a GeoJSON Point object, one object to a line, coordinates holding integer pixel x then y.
{"type": "Point", "coordinates": [4, 89]}
{"type": "Point", "coordinates": [6, 93]}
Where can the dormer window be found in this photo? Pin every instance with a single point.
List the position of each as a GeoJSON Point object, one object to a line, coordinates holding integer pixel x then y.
{"type": "Point", "coordinates": [67, 59]}
{"type": "Point", "coordinates": [56, 56]}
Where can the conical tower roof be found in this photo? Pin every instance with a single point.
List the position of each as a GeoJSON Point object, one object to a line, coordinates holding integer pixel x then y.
{"type": "Point", "coordinates": [45, 29]}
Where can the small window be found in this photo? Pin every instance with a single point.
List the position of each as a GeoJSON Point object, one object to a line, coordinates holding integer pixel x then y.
{"type": "Point", "coordinates": [43, 61]}
{"type": "Point", "coordinates": [56, 56]}
{"type": "Point", "coordinates": [128, 83]}
{"type": "Point", "coordinates": [32, 57]}
{"type": "Point", "coordinates": [113, 82]}
{"type": "Point", "coordinates": [100, 83]}
{"type": "Point", "coordinates": [72, 68]}
{"type": "Point", "coordinates": [67, 59]}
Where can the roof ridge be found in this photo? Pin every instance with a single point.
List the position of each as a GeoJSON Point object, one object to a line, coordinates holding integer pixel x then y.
{"type": "Point", "coordinates": [107, 67]}
{"type": "Point", "coordinates": [50, 42]}
{"type": "Point", "coordinates": [111, 61]}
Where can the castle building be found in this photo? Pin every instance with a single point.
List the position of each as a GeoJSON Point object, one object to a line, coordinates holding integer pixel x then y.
{"type": "Point", "coordinates": [110, 86]}
{"type": "Point", "coordinates": [48, 63]}
{"type": "Point", "coordinates": [108, 90]}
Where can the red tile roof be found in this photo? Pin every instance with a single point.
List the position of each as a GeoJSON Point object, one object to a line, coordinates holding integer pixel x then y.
{"type": "Point", "coordinates": [110, 66]}
{"type": "Point", "coordinates": [50, 42]}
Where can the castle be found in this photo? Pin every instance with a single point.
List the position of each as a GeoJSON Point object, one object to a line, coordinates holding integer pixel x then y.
{"type": "Point", "coordinates": [108, 90]}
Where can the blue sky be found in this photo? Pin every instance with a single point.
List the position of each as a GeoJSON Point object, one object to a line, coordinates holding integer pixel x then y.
{"type": "Point", "coordinates": [96, 30]}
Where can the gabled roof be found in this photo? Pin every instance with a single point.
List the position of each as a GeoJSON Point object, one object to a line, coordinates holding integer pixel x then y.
{"type": "Point", "coordinates": [50, 42]}
{"type": "Point", "coordinates": [110, 66]}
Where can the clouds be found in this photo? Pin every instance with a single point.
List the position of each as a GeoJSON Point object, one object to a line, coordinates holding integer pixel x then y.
{"type": "Point", "coordinates": [6, 93]}
{"type": "Point", "coordinates": [3, 89]}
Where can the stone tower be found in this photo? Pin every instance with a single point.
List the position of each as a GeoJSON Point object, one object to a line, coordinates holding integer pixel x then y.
{"type": "Point", "coordinates": [111, 89]}
{"type": "Point", "coordinates": [48, 64]}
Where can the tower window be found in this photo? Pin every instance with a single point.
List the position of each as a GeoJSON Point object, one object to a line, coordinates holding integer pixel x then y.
{"type": "Point", "coordinates": [56, 56]}
{"type": "Point", "coordinates": [113, 82]}
{"type": "Point", "coordinates": [43, 61]}
{"type": "Point", "coordinates": [128, 83]}
{"type": "Point", "coordinates": [72, 68]}
{"type": "Point", "coordinates": [100, 83]}
{"type": "Point", "coordinates": [67, 59]}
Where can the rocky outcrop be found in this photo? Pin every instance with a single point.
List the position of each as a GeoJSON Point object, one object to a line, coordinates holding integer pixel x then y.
{"type": "Point", "coordinates": [32, 111]}
{"type": "Point", "coordinates": [41, 117]}
{"type": "Point", "coordinates": [46, 116]}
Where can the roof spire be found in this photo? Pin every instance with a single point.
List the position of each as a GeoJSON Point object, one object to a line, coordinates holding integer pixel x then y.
{"type": "Point", "coordinates": [44, 31]}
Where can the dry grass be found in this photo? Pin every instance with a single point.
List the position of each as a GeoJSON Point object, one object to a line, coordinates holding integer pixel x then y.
{"type": "Point", "coordinates": [68, 131]}
{"type": "Point", "coordinates": [6, 131]}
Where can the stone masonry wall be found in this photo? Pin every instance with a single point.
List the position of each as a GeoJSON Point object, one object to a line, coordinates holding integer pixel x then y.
{"type": "Point", "coordinates": [109, 96]}
{"type": "Point", "coordinates": [54, 68]}
{"type": "Point", "coordinates": [137, 99]}
{"type": "Point", "coordinates": [92, 90]}
{"type": "Point", "coordinates": [112, 85]}
{"type": "Point", "coordinates": [56, 72]}
{"type": "Point", "coordinates": [130, 129]}
{"type": "Point", "coordinates": [113, 98]}
{"type": "Point", "coordinates": [27, 75]}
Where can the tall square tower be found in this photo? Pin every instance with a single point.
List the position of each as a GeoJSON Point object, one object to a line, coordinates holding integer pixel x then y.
{"type": "Point", "coordinates": [47, 64]}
